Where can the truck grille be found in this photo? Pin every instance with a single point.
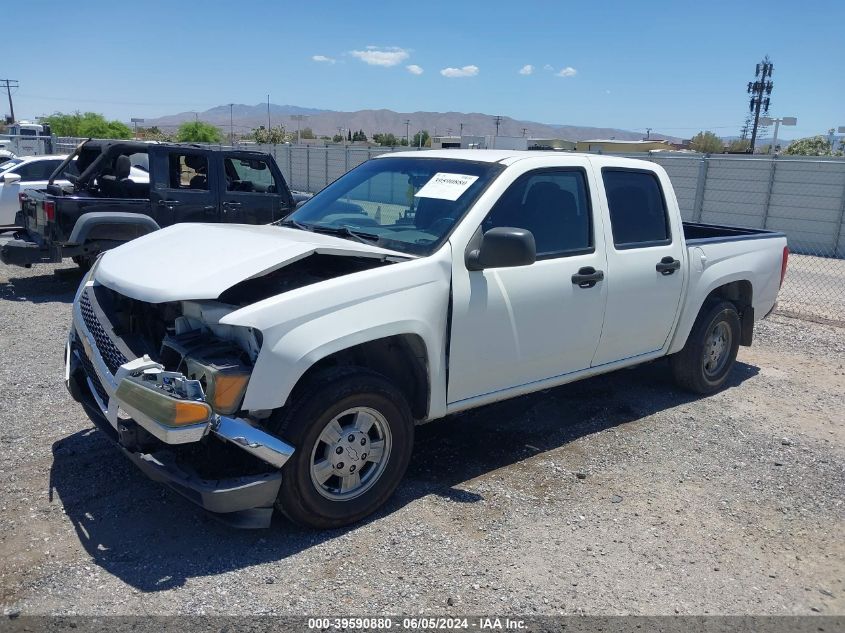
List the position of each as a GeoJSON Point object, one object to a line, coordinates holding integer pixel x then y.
{"type": "Point", "coordinates": [112, 356]}
{"type": "Point", "coordinates": [89, 371]}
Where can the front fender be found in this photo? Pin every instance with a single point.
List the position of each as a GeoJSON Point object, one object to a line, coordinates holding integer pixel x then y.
{"type": "Point", "coordinates": [303, 326]}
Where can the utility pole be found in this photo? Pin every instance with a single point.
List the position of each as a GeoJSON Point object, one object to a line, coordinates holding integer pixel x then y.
{"type": "Point", "coordinates": [647, 133]}
{"type": "Point", "coordinates": [299, 118]}
{"type": "Point", "coordinates": [760, 89]}
{"type": "Point", "coordinates": [407, 134]}
{"type": "Point", "coordinates": [498, 120]}
{"type": "Point", "coordinates": [231, 125]}
{"type": "Point", "coordinates": [462, 129]}
{"type": "Point", "coordinates": [9, 84]}
{"type": "Point", "coordinates": [524, 130]}
{"type": "Point", "coordinates": [268, 117]}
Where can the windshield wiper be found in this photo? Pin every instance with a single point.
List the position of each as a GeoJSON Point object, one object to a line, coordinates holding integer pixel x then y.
{"type": "Point", "coordinates": [345, 231]}
{"type": "Point", "coordinates": [293, 223]}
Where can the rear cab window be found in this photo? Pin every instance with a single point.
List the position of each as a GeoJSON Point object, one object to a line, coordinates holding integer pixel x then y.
{"type": "Point", "coordinates": [638, 214]}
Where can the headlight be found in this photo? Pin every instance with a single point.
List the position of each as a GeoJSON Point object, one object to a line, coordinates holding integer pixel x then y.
{"type": "Point", "coordinates": [224, 381]}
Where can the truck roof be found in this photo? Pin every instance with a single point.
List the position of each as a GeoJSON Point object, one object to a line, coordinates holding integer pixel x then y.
{"type": "Point", "coordinates": [508, 157]}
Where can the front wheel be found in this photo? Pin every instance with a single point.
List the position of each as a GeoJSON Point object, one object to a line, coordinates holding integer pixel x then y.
{"type": "Point", "coordinates": [704, 363]}
{"type": "Point", "coordinates": [353, 434]}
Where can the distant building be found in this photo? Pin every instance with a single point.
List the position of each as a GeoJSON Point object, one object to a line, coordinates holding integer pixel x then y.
{"type": "Point", "coordinates": [500, 142]}
{"type": "Point", "coordinates": [612, 146]}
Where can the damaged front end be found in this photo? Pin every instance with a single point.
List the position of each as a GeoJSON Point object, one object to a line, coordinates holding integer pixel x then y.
{"type": "Point", "coordinates": [166, 383]}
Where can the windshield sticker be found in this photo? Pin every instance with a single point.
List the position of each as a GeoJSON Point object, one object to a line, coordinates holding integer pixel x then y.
{"type": "Point", "coordinates": [446, 186]}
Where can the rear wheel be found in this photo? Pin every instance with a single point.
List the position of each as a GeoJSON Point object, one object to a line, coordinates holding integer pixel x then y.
{"type": "Point", "coordinates": [85, 261]}
{"type": "Point", "coordinates": [707, 358]}
{"type": "Point", "coordinates": [353, 434]}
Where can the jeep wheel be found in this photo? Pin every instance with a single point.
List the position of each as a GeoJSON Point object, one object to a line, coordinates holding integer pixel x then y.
{"type": "Point", "coordinates": [353, 434]}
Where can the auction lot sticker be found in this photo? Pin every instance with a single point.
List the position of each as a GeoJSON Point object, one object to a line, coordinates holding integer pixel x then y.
{"type": "Point", "coordinates": [446, 186]}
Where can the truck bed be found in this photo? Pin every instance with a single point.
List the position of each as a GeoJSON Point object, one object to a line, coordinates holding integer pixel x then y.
{"type": "Point", "coordinates": [698, 233]}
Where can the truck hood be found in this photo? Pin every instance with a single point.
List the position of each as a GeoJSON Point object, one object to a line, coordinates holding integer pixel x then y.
{"type": "Point", "coordinates": [188, 261]}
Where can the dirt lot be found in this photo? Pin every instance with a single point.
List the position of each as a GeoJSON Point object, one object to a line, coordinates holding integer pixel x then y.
{"type": "Point", "coordinates": [617, 495]}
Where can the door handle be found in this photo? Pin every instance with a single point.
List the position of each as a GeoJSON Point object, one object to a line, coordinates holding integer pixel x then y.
{"type": "Point", "coordinates": [668, 265]}
{"type": "Point", "coordinates": [587, 277]}
{"type": "Point", "coordinates": [209, 208]}
{"type": "Point", "coordinates": [169, 203]}
{"type": "Point", "coordinates": [232, 205]}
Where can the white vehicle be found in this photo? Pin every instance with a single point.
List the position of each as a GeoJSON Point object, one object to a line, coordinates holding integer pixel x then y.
{"type": "Point", "coordinates": [253, 366]}
{"type": "Point", "coordinates": [5, 151]}
{"type": "Point", "coordinates": [19, 175]}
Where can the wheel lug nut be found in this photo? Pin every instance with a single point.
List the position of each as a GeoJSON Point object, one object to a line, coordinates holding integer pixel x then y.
{"type": "Point", "coordinates": [363, 456]}
{"type": "Point", "coordinates": [340, 465]}
{"type": "Point", "coordinates": [352, 468]}
{"type": "Point", "coordinates": [363, 441]}
{"type": "Point", "coordinates": [338, 450]}
{"type": "Point", "coordinates": [351, 438]}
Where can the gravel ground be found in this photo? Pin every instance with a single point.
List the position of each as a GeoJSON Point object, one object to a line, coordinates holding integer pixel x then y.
{"type": "Point", "coordinates": [615, 495]}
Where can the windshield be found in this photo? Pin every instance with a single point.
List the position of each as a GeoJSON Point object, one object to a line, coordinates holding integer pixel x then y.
{"type": "Point", "coordinates": [404, 204]}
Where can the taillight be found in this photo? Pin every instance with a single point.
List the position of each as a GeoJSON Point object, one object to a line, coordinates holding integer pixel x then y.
{"type": "Point", "coordinates": [50, 210]}
{"type": "Point", "coordinates": [783, 264]}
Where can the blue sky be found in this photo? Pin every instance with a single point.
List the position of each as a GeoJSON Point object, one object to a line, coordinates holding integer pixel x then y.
{"type": "Point", "coordinates": [677, 67]}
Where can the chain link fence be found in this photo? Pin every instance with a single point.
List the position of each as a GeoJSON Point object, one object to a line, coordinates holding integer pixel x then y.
{"type": "Point", "coordinates": [802, 196]}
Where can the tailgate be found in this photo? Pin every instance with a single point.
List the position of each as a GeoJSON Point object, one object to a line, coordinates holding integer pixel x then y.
{"type": "Point", "coordinates": [33, 214]}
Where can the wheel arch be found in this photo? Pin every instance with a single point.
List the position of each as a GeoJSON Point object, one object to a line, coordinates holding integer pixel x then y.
{"type": "Point", "coordinates": [740, 292]}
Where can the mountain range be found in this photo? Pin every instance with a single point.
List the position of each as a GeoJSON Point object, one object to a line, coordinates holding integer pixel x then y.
{"type": "Point", "coordinates": [245, 118]}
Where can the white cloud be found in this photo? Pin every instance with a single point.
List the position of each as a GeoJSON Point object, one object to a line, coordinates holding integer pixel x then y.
{"type": "Point", "coordinates": [548, 67]}
{"type": "Point", "coordinates": [381, 56]}
{"type": "Point", "coordinates": [569, 71]}
{"type": "Point", "coordinates": [323, 59]}
{"type": "Point", "coordinates": [414, 69]}
{"type": "Point", "coordinates": [528, 69]}
{"type": "Point", "coordinates": [464, 71]}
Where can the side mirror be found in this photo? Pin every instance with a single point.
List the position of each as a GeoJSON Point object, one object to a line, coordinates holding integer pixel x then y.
{"type": "Point", "coordinates": [11, 178]}
{"type": "Point", "coordinates": [503, 247]}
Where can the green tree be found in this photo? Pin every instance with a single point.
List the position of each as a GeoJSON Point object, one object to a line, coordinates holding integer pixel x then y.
{"type": "Point", "coordinates": [337, 138]}
{"type": "Point", "coordinates": [90, 124]}
{"type": "Point", "coordinates": [739, 146]}
{"type": "Point", "coordinates": [307, 132]}
{"type": "Point", "coordinates": [707, 143]}
{"type": "Point", "coordinates": [359, 136]}
{"type": "Point", "coordinates": [349, 135]}
{"type": "Point", "coordinates": [385, 139]}
{"type": "Point", "coordinates": [275, 136]}
{"type": "Point", "coordinates": [198, 132]}
{"type": "Point", "coordinates": [426, 139]}
{"type": "Point", "coordinates": [812, 146]}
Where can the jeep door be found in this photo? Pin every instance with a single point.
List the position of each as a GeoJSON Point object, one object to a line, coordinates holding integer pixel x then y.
{"type": "Point", "coordinates": [183, 186]}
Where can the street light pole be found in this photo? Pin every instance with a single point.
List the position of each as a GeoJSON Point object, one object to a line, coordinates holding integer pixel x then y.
{"type": "Point", "coordinates": [787, 120]}
{"type": "Point", "coordinates": [231, 125]}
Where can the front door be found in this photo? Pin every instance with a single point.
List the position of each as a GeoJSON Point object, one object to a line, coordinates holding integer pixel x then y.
{"type": "Point", "coordinates": [515, 326]}
{"type": "Point", "coordinates": [182, 189]}
{"type": "Point", "coordinates": [251, 190]}
{"type": "Point", "coordinates": [645, 271]}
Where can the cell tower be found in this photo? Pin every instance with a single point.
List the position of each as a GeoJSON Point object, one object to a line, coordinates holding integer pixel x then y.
{"type": "Point", "coordinates": [760, 90]}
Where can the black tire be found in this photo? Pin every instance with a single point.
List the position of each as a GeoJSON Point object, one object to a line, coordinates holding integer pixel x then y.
{"type": "Point", "coordinates": [693, 367]}
{"type": "Point", "coordinates": [302, 423]}
{"type": "Point", "coordinates": [84, 261]}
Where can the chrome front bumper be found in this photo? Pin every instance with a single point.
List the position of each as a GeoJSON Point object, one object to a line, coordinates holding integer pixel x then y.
{"type": "Point", "coordinates": [85, 348]}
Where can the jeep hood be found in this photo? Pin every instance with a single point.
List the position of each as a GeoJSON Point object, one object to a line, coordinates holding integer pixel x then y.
{"type": "Point", "coordinates": [189, 261]}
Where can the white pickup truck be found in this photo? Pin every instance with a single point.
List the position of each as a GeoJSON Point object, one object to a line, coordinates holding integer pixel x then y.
{"type": "Point", "coordinates": [253, 367]}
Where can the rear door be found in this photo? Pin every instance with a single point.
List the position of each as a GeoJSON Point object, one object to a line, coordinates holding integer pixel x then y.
{"type": "Point", "coordinates": [252, 190]}
{"type": "Point", "coordinates": [182, 189]}
{"type": "Point", "coordinates": [645, 271]}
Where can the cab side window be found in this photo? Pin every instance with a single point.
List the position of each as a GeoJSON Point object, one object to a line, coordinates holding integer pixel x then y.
{"type": "Point", "coordinates": [249, 175]}
{"type": "Point", "coordinates": [188, 171]}
{"type": "Point", "coordinates": [554, 205]}
{"type": "Point", "coordinates": [638, 214]}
